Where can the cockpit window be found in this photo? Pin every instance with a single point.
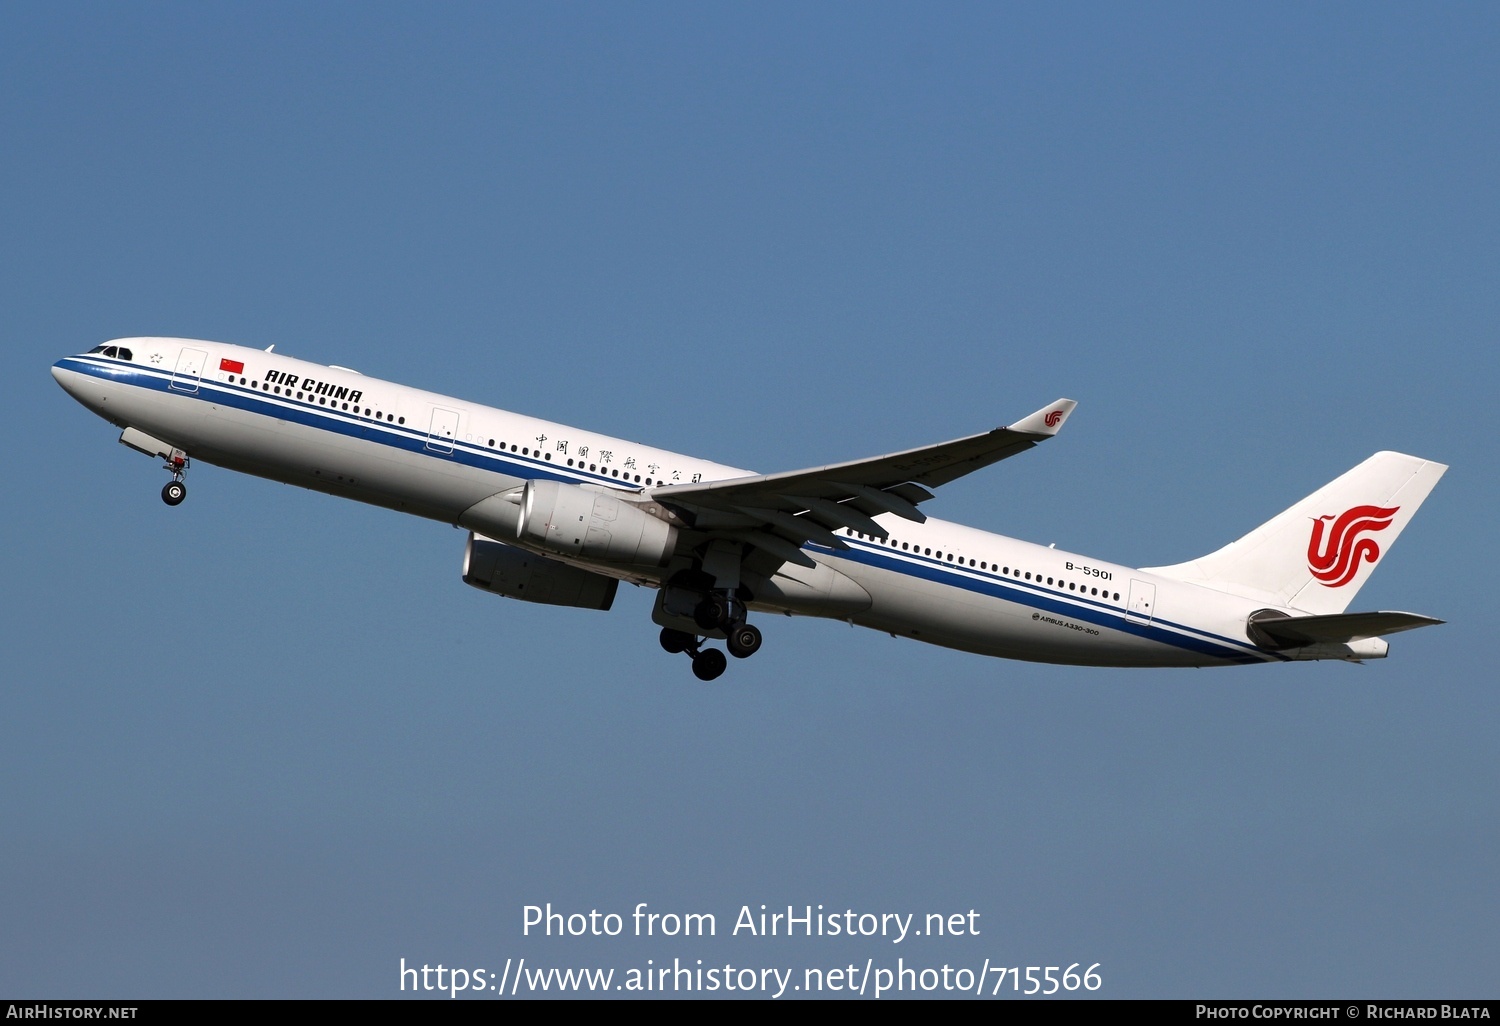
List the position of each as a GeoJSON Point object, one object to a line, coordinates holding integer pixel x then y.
{"type": "Point", "coordinates": [111, 351]}
{"type": "Point", "coordinates": [96, 349]}
{"type": "Point", "coordinates": [118, 352]}
{"type": "Point", "coordinates": [126, 354]}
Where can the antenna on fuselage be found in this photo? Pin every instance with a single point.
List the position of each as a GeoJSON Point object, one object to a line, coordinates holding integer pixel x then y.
{"type": "Point", "coordinates": [270, 347]}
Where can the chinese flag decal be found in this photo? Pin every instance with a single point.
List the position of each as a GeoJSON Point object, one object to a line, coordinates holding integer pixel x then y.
{"type": "Point", "coordinates": [232, 366]}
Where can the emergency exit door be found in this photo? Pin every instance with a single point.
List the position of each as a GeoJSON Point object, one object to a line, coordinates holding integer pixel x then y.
{"type": "Point", "coordinates": [189, 369]}
{"type": "Point", "coordinates": [444, 429]}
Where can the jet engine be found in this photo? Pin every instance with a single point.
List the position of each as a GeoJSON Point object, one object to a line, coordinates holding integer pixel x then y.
{"type": "Point", "coordinates": [592, 525]}
{"type": "Point", "coordinates": [516, 573]}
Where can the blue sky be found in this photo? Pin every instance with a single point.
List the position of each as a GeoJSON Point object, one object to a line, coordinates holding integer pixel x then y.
{"type": "Point", "coordinates": [266, 744]}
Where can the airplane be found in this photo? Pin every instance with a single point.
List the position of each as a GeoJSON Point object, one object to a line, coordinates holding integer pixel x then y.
{"type": "Point", "coordinates": [560, 516]}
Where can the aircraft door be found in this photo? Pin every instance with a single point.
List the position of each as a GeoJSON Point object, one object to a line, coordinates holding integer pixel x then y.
{"type": "Point", "coordinates": [1142, 602]}
{"type": "Point", "coordinates": [443, 431]}
{"type": "Point", "coordinates": [189, 369]}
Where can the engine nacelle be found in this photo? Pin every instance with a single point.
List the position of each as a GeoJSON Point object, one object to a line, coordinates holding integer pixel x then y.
{"type": "Point", "coordinates": [594, 525]}
{"type": "Point", "coordinates": [516, 573]}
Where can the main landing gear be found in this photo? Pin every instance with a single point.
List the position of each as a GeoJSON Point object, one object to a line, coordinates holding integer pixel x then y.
{"type": "Point", "coordinates": [174, 491]}
{"type": "Point", "coordinates": [708, 663]}
{"type": "Point", "coordinates": [714, 613]}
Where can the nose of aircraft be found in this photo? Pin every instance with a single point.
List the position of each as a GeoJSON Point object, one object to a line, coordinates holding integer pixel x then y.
{"type": "Point", "coordinates": [63, 376]}
{"type": "Point", "coordinates": [72, 382]}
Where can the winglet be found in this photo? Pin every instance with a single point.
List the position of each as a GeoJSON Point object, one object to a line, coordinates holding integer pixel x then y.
{"type": "Point", "coordinates": [1047, 421]}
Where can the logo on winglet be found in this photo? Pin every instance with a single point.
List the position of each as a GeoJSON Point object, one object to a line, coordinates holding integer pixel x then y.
{"type": "Point", "coordinates": [1335, 560]}
{"type": "Point", "coordinates": [1052, 418]}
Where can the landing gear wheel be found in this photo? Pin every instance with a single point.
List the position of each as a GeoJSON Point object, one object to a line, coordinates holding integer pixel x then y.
{"type": "Point", "coordinates": [711, 613]}
{"type": "Point", "coordinates": [173, 492]}
{"type": "Point", "coordinates": [675, 641]}
{"type": "Point", "coordinates": [709, 663]}
{"type": "Point", "coordinates": [744, 640]}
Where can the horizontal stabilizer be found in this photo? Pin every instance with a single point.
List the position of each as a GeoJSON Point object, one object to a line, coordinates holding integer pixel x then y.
{"type": "Point", "coordinates": [1337, 628]}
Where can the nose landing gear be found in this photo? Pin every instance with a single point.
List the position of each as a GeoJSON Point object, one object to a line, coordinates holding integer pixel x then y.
{"type": "Point", "coordinates": [174, 491]}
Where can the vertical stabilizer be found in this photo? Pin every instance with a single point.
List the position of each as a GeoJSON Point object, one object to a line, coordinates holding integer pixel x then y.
{"type": "Point", "coordinates": [1318, 554]}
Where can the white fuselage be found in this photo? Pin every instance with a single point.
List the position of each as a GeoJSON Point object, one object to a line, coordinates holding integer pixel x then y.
{"type": "Point", "coordinates": [340, 432]}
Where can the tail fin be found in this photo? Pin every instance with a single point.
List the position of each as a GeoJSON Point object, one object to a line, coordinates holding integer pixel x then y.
{"type": "Point", "coordinates": [1318, 554]}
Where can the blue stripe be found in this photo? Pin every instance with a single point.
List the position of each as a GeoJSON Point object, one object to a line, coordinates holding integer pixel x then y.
{"type": "Point", "coordinates": [1078, 608]}
{"type": "Point", "coordinates": [412, 440]}
{"type": "Point", "coordinates": [402, 437]}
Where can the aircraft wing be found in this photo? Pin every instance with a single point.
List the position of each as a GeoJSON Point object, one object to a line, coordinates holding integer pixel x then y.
{"type": "Point", "coordinates": [779, 512]}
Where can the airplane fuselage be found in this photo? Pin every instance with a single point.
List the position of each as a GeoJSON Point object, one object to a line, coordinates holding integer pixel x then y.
{"type": "Point", "coordinates": [341, 432]}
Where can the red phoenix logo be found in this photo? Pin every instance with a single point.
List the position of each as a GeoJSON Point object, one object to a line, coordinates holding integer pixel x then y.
{"type": "Point", "coordinates": [1335, 561]}
{"type": "Point", "coordinates": [1052, 418]}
